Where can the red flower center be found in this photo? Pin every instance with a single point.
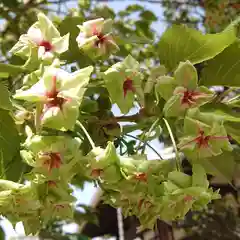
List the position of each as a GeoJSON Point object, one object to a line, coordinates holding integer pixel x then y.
{"type": "Point", "coordinates": [128, 86]}
{"type": "Point", "coordinates": [53, 160]}
{"type": "Point", "coordinates": [47, 45]}
{"type": "Point", "coordinates": [51, 183]}
{"type": "Point", "coordinates": [190, 97]}
{"type": "Point", "coordinates": [144, 203]}
{"type": "Point", "coordinates": [188, 198]}
{"type": "Point", "coordinates": [202, 140]}
{"type": "Point", "coordinates": [53, 99]}
{"type": "Point", "coordinates": [96, 172]}
{"type": "Point", "coordinates": [100, 36]}
{"type": "Point", "coordinates": [142, 177]}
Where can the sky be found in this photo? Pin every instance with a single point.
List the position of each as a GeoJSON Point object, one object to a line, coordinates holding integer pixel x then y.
{"type": "Point", "coordinates": [87, 195]}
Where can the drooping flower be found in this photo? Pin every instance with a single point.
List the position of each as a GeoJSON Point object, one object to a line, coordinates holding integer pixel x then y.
{"type": "Point", "coordinates": [95, 173]}
{"type": "Point", "coordinates": [43, 37]}
{"type": "Point", "coordinates": [203, 140]}
{"type": "Point", "coordinates": [61, 94]}
{"type": "Point", "coordinates": [50, 160]}
{"type": "Point", "coordinates": [182, 92]}
{"type": "Point", "coordinates": [56, 209]}
{"type": "Point", "coordinates": [142, 177]}
{"type": "Point", "coordinates": [103, 163]}
{"type": "Point", "coordinates": [123, 81]}
{"type": "Point", "coordinates": [95, 38]}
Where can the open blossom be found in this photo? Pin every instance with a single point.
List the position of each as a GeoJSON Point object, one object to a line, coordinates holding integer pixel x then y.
{"type": "Point", "coordinates": [50, 160]}
{"type": "Point", "coordinates": [61, 94]}
{"type": "Point", "coordinates": [44, 37]}
{"type": "Point", "coordinates": [123, 81]}
{"type": "Point", "coordinates": [95, 37]}
{"type": "Point", "coordinates": [208, 140]}
{"type": "Point", "coordinates": [182, 92]}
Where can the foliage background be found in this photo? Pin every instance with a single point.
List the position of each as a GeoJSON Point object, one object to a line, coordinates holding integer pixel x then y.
{"type": "Point", "coordinates": [136, 24]}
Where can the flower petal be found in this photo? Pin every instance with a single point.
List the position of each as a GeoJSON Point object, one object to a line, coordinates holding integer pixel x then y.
{"type": "Point", "coordinates": [49, 31]}
{"type": "Point", "coordinates": [34, 94]}
{"type": "Point", "coordinates": [61, 44]}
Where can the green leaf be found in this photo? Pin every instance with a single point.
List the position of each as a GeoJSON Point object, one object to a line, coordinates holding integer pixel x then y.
{"type": "Point", "coordinates": [15, 168]}
{"type": "Point", "coordinates": [224, 69]}
{"type": "Point", "coordinates": [199, 177]}
{"type": "Point", "coordinates": [2, 234]}
{"type": "Point", "coordinates": [9, 143]}
{"type": "Point", "coordinates": [4, 97]}
{"type": "Point", "coordinates": [4, 75]}
{"type": "Point", "coordinates": [186, 75]}
{"type": "Point", "coordinates": [165, 87]}
{"type": "Point", "coordinates": [180, 43]}
{"type": "Point", "coordinates": [180, 179]}
{"type": "Point", "coordinates": [9, 69]}
{"type": "Point", "coordinates": [219, 112]}
{"type": "Point", "coordinates": [222, 166]}
{"type": "Point", "coordinates": [134, 8]}
{"type": "Point", "coordinates": [148, 16]}
{"type": "Point", "coordinates": [32, 62]}
{"type": "Point", "coordinates": [233, 129]}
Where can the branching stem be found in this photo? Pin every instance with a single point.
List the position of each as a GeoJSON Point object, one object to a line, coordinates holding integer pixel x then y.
{"type": "Point", "coordinates": [178, 164]}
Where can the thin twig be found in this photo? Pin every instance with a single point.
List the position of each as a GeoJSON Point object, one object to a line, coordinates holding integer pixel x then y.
{"type": "Point", "coordinates": [86, 133]}
{"type": "Point", "coordinates": [174, 144]}
{"type": "Point", "coordinates": [129, 135]}
{"type": "Point", "coordinates": [38, 117]}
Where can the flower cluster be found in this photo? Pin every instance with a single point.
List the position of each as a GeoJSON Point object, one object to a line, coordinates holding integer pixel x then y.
{"type": "Point", "coordinates": [57, 96]}
{"type": "Point", "coordinates": [42, 37]}
{"type": "Point", "coordinates": [203, 138]}
{"type": "Point", "coordinates": [181, 92]}
{"type": "Point", "coordinates": [60, 94]}
{"type": "Point", "coordinates": [148, 189]}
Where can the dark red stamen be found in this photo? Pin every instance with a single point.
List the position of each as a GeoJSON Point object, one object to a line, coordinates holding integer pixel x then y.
{"type": "Point", "coordinates": [202, 140]}
{"type": "Point", "coordinates": [53, 160]}
{"type": "Point", "coordinates": [144, 203]}
{"type": "Point", "coordinates": [188, 198]}
{"type": "Point", "coordinates": [142, 177]}
{"type": "Point", "coordinates": [58, 207]}
{"type": "Point", "coordinates": [52, 183]}
{"type": "Point", "coordinates": [53, 99]}
{"type": "Point", "coordinates": [47, 45]}
{"type": "Point", "coordinates": [128, 86]}
{"type": "Point", "coordinates": [100, 36]}
{"type": "Point", "coordinates": [190, 97]}
{"type": "Point", "coordinates": [96, 172]}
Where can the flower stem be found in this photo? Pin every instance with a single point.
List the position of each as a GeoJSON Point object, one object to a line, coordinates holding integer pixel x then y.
{"type": "Point", "coordinates": [147, 134]}
{"type": "Point", "coordinates": [86, 133]}
{"type": "Point", "coordinates": [38, 117]}
{"type": "Point", "coordinates": [178, 163]}
{"type": "Point", "coordinates": [129, 135]}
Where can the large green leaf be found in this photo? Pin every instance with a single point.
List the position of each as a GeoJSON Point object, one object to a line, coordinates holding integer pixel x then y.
{"type": "Point", "coordinates": [180, 43]}
{"type": "Point", "coordinates": [224, 69]}
{"type": "Point", "coordinates": [9, 144]}
{"type": "Point", "coordinates": [4, 97]}
{"type": "Point", "coordinates": [10, 70]}
{"type": "Point", "coordinates": [2, 234]}
{"type": "Point", "coordinates": [220, 112]}
{"type": "Point", "coordinates": [233, 129]}
{"type": "Point", "coordinates": [221, 166]}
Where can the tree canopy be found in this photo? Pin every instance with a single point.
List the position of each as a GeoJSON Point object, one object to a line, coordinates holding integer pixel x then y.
{"type": "Point", "coordinates": [63, 74]}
